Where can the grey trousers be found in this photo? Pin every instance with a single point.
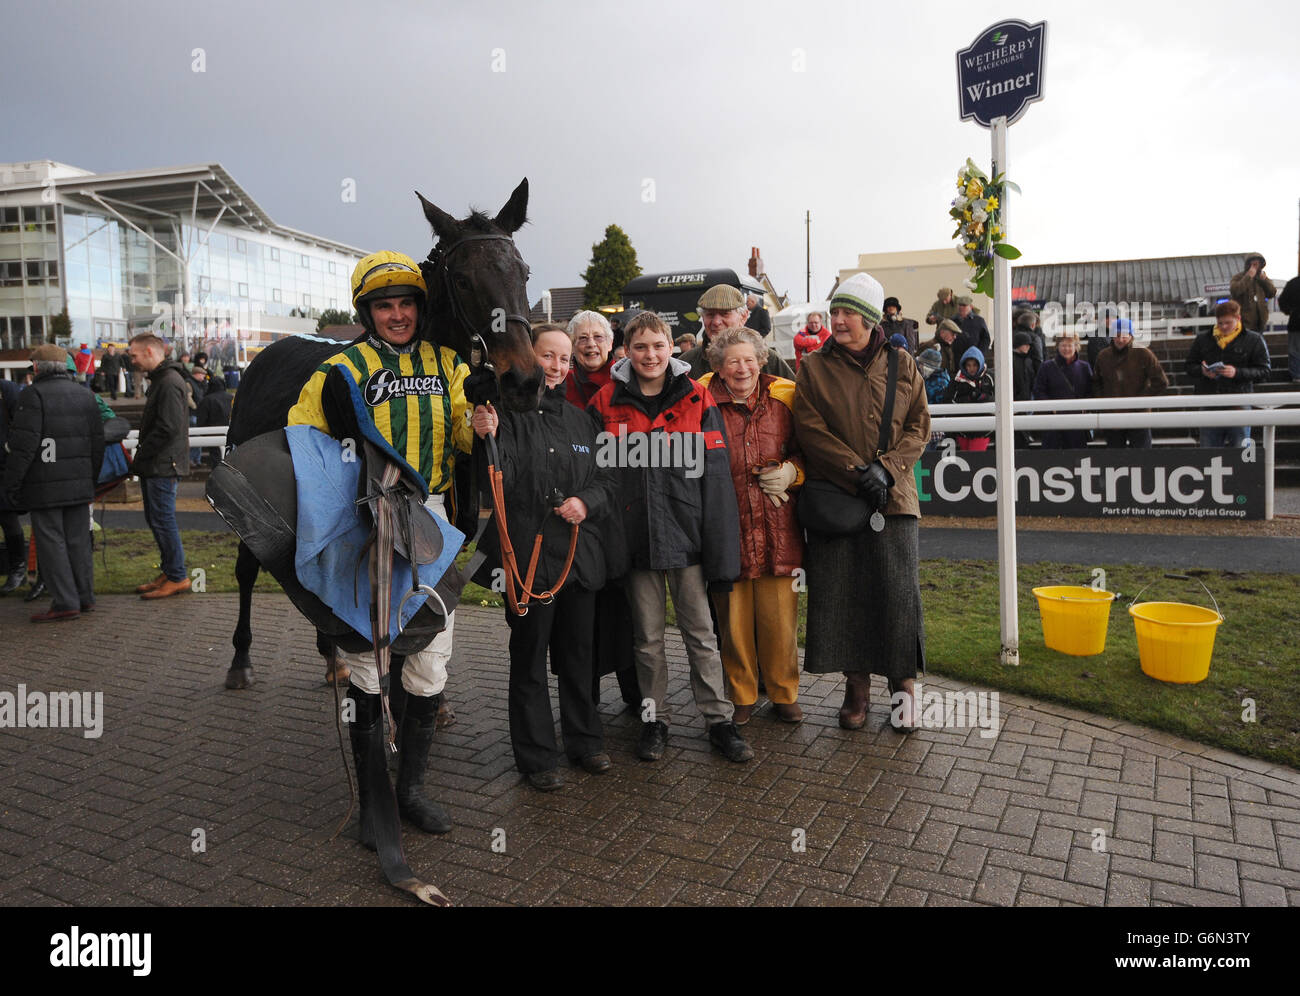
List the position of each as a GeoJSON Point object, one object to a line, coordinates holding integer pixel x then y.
{"type": "Point", "coordinates": [645, 591]}
{"type": "Point", "coordinates": [63, 556]}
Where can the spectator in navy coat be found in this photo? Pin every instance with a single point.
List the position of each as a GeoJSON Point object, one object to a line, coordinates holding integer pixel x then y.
{"type": "Point", "coordinates": [1064, 376]}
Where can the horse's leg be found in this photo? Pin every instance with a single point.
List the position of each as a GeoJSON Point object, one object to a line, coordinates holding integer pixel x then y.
{"type": "Point", "coordinates": [337, 671]}
{"type": "Point", "coordinates": [240, 674]}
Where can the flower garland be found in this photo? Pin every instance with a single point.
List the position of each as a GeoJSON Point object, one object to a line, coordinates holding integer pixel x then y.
{"type": "Point", "coordinates": [979, 233]}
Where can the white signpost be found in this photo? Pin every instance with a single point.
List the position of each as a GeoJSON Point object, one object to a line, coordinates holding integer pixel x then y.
{"type": "Point", "coordinates": [998, 76]}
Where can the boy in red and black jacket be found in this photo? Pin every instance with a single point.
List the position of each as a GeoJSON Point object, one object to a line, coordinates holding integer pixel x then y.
{"type": "Point", "coordinates": [665, 437]}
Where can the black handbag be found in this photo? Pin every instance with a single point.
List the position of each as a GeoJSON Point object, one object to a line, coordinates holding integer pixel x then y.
{"type": "Point", "coordinates": [826, 508]}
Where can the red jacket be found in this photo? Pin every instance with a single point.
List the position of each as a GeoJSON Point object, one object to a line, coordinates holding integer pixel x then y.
{"type": "Point", "coordinates": [809, 342]}
{"type": "Point", "coordinates": [580, 386]}
{"type": "Point", "coordinates": [84, 360]}
{"type": "Point", "coordinates": [684, 513]}
{"type": "Point", "coordinates": [771, 540]}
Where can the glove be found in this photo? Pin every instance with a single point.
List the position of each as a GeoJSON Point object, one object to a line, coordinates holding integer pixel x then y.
{"type": "Point", "coordinates": [874, 483]}
{"type": "Point", "coordinates": [481, 387]}
{"type": "Point", "coordinates": [777, 480]}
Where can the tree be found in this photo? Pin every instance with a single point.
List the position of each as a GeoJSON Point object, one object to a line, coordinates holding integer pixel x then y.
{"type": "Point", "coordinates": [333, 316]}
{"type": "Point", "coordinates": [613, 264]}
{"type": "Point", "coordinates": [60, 326]}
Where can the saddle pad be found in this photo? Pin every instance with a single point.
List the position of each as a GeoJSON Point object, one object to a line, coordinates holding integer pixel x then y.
{"type": "Point", "coordinates": [332, 535]}
{"type": "Point", "coordinates": [255, 492]}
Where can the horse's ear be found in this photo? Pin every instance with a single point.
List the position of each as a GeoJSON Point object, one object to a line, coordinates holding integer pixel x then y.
{"type": "Point", "coordinates": [444, 225]}
{"type": "Point", "coordinates": [511, 218]}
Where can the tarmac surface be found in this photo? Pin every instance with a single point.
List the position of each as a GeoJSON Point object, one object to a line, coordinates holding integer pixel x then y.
{"type": "Point", "coordinates": [1060, 807]}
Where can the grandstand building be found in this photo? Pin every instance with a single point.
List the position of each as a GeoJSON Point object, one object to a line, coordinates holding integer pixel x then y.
{"type": "Point", "coordinates": [184, 250]}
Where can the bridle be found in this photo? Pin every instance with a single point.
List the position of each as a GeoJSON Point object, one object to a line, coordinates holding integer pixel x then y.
{"type": "Point", "coordinates": [438, 259]}
{"type": "Point", "coordinates": [517, 603]}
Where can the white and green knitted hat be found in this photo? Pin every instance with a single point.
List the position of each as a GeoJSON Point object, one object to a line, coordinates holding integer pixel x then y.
{"type": "Point", "coordinates": [861, 293]}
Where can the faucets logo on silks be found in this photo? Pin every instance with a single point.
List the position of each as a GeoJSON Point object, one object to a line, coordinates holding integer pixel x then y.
{"type": "Point", "coordinates": [384, 386]}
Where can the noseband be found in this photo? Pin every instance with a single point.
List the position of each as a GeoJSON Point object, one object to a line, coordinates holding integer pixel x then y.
{"type": "Point", "coordinates": [438, 258]}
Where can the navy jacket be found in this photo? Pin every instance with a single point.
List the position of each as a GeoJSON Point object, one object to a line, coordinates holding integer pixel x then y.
{"type": "Point", "coordinates": [545, 450]}
{"type": "Point", "coordinates": [56, 445]}
{"type": "Point", "coordinates": [1248, 353]}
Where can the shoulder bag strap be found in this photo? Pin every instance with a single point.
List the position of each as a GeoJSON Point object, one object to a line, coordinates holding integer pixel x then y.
{"type": "Point", "coordinates": [887, 417]}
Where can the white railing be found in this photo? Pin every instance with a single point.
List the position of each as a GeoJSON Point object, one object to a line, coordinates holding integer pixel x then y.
{"type": "Point", "coordinates": [1267, 409]}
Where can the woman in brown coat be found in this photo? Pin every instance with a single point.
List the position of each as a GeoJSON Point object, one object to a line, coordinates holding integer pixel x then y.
{"type": "Point", "coordinates": [757, 617]}
{"type": "Point", "coordinates": [864, 595]}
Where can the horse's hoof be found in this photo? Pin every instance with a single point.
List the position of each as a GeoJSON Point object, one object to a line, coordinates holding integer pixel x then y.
{"type": "Point", "coordinates": [338, 675]}
{"type": "Point", "coordinates": [239, 677]}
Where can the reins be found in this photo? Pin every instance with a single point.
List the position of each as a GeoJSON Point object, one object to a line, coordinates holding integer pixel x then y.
{"type": "Point", "coordinates": [513, 580]}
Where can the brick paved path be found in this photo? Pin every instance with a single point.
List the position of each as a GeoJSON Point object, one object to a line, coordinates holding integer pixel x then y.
{"type": "Point", "coordinates": [941, 817]}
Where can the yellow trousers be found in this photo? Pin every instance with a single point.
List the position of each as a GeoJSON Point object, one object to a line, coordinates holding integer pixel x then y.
{"type": "Point", "coordinates": [757, 621]}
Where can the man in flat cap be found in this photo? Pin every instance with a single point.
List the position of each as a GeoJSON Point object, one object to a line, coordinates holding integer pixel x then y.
{"type": "Point", "coordinates": [56, 444]}
{"type": "Point", "coordinates": [723, 307]}
{"type": "Point", "coordinates": [974, 327]}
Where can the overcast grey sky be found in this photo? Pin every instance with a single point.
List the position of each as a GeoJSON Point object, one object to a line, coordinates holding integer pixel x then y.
{"type": "Point", "coordinates": [1166, 129]}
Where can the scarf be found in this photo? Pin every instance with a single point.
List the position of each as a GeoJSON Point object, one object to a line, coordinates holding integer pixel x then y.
{"type": "Point", "coordinates": [1224, 338]}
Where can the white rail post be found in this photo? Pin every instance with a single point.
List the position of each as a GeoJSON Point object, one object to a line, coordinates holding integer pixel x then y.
{"type": "Point", "coordinates": [1008, 593]}
{"type": "Point", "coordinates": [1270, 441]}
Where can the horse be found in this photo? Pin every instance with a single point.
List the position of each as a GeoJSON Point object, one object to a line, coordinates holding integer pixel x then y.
{"type": "Point", "coordinates": [476, 294]}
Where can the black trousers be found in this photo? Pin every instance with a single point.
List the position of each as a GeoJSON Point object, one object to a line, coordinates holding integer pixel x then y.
{"type": "Point", "coordinates": [565, 628]}
{"type": "Point", "coordinates": [15, 547]}
{"type": "Point", "coordinates": [612, 647]}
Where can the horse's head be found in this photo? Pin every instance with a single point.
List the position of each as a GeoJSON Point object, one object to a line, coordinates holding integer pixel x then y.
{"type": "Point", "coordinates": [477, 291]}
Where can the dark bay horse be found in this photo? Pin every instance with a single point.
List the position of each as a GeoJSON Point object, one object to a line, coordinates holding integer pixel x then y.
{"type": "Point", "coordinates": [476, 280]}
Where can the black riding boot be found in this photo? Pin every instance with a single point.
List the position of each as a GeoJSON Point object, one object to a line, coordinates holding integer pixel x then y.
{"type": "Point", "coordinates": [367, 733]}
{"type": "Point", "coordinates": [416, 733]}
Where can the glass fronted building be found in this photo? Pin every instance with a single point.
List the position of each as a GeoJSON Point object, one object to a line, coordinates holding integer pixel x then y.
{"type": "Point", "coordinates": [182, 250]}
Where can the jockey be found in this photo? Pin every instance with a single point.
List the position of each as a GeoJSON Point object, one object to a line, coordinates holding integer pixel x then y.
{"type": "Point", "coordinates": [415, 394]}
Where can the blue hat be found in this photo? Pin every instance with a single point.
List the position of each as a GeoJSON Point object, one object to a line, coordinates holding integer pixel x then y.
{"type": "Point", "coordinates": [899, 340]}
{"type": "Point", "coordinates": [1122, 327]}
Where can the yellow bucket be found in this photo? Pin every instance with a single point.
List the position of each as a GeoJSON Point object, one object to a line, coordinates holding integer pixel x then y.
{"type": "Point", "coordinates": [1175, 640]}
{"type": "Point", "coordinates": [1074, 618]}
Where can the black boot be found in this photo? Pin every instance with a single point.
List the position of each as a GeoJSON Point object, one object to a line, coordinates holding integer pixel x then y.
{"type": "Point", "coordinates": [38, 591]}
{"type": "Point", "coordinates": [16, 579]}
{"type": "Point", "coordinates": [367, 733]}
{"type": "Point", "coordinates": [416, 737]}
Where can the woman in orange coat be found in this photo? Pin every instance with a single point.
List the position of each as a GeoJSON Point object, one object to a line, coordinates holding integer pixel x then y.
{"type": "Point", "coordinates": [757, 617]}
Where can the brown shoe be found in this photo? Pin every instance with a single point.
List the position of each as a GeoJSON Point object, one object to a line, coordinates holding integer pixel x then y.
{"type": "Point", "coordinates": [52, 616]}
{"type": "Point", "coordinates": [788, 712]}
{"type": "Point", "coordinates": [741, 716]}
{"type": "Point", "coordinates": [857, 690]}
{"type": "Point", "coordinates": [153, 585]}
{"type": "Point", "coordinates": [338, 674]}
{"type": "Point", "coordinates": [168, 588]}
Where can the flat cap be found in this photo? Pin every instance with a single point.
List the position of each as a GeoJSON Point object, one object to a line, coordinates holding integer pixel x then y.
{"type": "Point", "coordinates": [49, 353]}
{"type": "Point", "coordinates": [722, 297]}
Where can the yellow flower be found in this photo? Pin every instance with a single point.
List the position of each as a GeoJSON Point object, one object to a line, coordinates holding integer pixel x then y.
{"type": "Point", "coordinates": [974, 189]}
{"type": "Point", "coordinates": [966, 215]}
{"type": "Point", "coordinates": [993, 203]}
{"type": "Point", "coordinates": [971, 245]}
